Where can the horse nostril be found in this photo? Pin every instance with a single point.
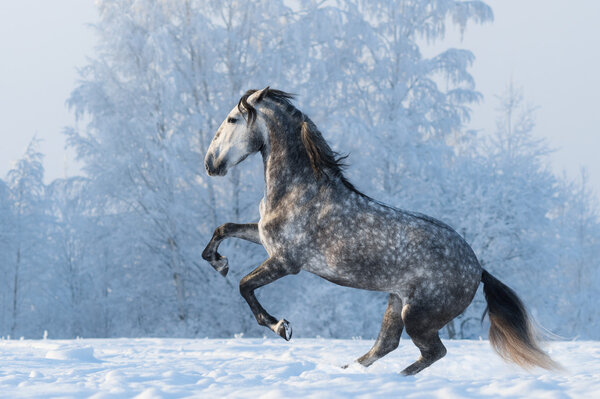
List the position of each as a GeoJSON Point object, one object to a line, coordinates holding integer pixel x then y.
{"type": "Point", "coordinates": [213, 167]}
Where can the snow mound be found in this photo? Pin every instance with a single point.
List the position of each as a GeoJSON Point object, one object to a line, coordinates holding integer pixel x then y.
{"type": "Point", "coordinates": [81, 354]}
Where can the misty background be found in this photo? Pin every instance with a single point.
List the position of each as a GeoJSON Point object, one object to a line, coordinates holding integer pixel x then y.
{"type": "Point", "coordinates": [103, 238]}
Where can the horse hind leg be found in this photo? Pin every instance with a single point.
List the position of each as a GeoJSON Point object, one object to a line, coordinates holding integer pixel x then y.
{"type": "Point", "coordinates": [425, 337]}
{"type": "Point", "coordinates": [389, 335]}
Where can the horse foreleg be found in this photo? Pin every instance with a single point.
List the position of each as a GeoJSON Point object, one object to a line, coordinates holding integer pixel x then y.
{"type": "Point", "coordinates": [248, 231]}
{"type": "Point", "coordinates": [389, 335]}
{"type": "Point", "coordinates": [266, 273]}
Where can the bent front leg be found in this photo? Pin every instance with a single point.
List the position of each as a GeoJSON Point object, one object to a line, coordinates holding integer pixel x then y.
{"type": "Point", "coordinates": [248, 231]}
{"type": "Point", "coordinates": [266, 273]}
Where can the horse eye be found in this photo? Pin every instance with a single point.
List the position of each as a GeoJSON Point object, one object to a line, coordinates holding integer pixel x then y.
{"type": "Point", "coordinates": [232, 120]}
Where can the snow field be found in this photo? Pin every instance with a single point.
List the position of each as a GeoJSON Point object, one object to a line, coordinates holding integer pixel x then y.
{"type": "Point", "coordinates": [272, 368]}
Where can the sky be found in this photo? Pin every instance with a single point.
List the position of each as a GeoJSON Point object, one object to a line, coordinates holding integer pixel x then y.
{"type": "Point", "coordinates": [549, 48]}
{"type": "Point", "coordinates": [41, 45]}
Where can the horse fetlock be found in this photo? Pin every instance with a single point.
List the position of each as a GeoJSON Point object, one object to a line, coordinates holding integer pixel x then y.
{"type": "Point", "coordinates": [284, 329]}
{"type": "Point", "coordinates": [414, 368]}
{"type": "Point", "coordinates": [209, 253]}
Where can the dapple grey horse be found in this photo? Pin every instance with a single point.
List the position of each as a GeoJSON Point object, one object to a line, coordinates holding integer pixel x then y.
{"type": "Point", "coordinates": [312, 218]}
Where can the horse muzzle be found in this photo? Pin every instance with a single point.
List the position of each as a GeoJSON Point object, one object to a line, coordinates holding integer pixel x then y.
{"type": "Point", "coordinates": [214, 168]}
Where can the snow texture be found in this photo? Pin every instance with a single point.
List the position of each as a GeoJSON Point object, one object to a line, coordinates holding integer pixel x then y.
{"type": "Point", "coordinates": [269, 368]}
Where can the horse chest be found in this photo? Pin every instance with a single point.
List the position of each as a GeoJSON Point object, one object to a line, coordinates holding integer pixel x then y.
{"type": "Point", "coordinates": [281, 231]}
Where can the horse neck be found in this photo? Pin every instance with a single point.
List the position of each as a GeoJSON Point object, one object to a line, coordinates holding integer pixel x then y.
{"type": "Point", "coordinates": [286, 164]}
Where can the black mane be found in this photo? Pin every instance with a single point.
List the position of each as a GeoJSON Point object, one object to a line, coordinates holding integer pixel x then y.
{"type": "Point", "coordinates": [323, 160]}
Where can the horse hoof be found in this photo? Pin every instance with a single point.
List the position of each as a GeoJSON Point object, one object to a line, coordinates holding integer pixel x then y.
{"type": "Point", "coordinates": [221, 265]}
{"type": "Point", "coordinates": [284, 329]}
{"type": "Point", "coordinates": [411, 370]}
{"type": "Point", "coordinates": [224, 271]}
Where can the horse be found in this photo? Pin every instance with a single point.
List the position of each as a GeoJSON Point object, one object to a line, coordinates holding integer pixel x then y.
{"type": "Point", "coordinates": [312, 218]}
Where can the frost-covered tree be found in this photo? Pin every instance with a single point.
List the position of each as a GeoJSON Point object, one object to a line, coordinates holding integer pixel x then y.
{"type": "Point", "coordinates": [165, 73]}
{"type": "Point", "coordinates": [75, 265]}
{"type": "Point", "coordinates": [134, 150]}
{"type": "Point", "coordinates": [523, 191]}
{"type": "Point", "coordinates": [27, 241]}
{"type": "Point", "coordinates": [407, 104]}
{"type": "Point", "coordinates": [576, 229]}
{"type": "Point", "coordinates": [5, 252]}
{"type": "Point", "coordinates": [502, 197]}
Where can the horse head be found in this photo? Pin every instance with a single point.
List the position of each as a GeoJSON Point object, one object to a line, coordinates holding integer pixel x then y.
{"type": "Point", "coordinates": [242, 133]}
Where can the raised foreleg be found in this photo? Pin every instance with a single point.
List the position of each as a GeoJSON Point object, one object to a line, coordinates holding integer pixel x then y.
{"type": "Point", "coordinates": [248, 231]}
{"type": "Point", "coordinates": [266, 273]}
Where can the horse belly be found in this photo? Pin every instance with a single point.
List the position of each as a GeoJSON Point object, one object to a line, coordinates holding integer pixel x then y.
{"type": "Point", "coordinates": [364, 273]}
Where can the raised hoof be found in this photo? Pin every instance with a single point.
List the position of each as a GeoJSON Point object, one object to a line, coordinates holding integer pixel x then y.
{"type": "Point", "coordinates": [221, 265]}
{"type": "Point", "coordinates": [284, 329]}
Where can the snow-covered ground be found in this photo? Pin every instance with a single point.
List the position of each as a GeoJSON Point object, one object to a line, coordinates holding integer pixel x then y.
{"type": "Point", "coordinates": [273, 368]}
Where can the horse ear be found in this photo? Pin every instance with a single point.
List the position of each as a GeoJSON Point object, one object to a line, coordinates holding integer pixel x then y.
{"type": "Point", "coordinates": [261, 94]}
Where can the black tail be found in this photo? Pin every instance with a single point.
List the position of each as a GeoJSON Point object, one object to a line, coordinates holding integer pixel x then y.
{"type": "Point", "coordinates": [512, 334]}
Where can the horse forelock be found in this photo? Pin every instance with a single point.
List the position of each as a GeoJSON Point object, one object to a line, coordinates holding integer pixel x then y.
{"type": "Point", "coordinates": [243, 105]}
{"type": "Point", "coordinates": [280, 97]}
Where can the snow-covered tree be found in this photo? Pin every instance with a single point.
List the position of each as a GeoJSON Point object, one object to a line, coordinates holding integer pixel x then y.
{"type": "Point", "coordinates": [5, 252]}
{"type": "Point", "coordinates": [503, 197]}
{"type": "Point", "coordinates": [576, 229]}
{"type": "Point", "coordinates": [27, 240]}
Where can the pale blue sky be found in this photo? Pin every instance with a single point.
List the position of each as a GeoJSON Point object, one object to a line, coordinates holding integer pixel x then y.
{"type": "Point", "coordinates": [41, 44]}
{"type": "Point", "coordinates": [551, 48]}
